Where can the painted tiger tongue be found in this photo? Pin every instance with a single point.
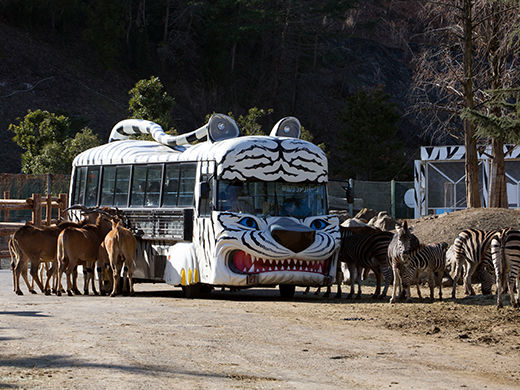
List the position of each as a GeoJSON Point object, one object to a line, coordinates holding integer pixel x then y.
{"type": "Point", "coordinates": [243, 261]}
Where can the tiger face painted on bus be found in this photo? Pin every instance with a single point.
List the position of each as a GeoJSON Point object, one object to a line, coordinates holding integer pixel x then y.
{"type": "Point", "coordinates": [249, 249]}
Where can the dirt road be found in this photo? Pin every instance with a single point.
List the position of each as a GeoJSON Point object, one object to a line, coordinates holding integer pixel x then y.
{"type": "Point", "coordinates": [248, 340]}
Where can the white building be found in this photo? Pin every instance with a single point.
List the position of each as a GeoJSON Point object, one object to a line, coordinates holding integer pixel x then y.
{"type": "Point", "coordinates": [440, 178]}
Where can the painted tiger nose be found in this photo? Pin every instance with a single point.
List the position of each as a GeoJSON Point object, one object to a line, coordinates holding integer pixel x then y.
{"type": "Point", "coordinates": [292, 235]}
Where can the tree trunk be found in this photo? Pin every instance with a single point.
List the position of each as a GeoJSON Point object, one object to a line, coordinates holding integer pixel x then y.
{"type": "Point", "coordinates": [498, 180]}
{"type": "Point", "coordinates": [498, 186]}
{"type": "Point", "coordinates": [472, 186]}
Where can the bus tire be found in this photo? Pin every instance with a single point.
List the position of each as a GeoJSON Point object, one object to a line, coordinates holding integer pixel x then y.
{"type": "Point", "coordinates": [191, 291]}
{"type": "Point", "coordinates": [287, 290]}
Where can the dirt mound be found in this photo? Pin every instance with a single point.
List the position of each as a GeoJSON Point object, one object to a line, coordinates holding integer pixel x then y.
{"type": "Point", "coordinates": [446, 227]}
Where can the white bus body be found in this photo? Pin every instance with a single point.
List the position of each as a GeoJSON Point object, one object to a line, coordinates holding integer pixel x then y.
{"type": "Point", "coordinates": [231, 211]}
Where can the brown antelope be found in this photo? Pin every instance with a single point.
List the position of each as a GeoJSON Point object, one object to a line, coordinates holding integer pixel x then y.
{"type": "Point", "coordinates": [120, 246]}
{"type": "Point", "coordinates": [35, 245]}
{"type": "Point", "coordinates": [77, 244]}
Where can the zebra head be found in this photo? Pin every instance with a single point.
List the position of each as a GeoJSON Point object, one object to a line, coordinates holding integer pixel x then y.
{"type": "Point", "coordinates": [405, 242]}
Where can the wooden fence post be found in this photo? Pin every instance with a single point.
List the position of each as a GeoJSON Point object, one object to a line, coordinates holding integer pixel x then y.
{"type": "Point", "coordinates": [63, 205]}
{"type": "Point", "coordinates": [49, 209]}
{"type": "Point", "coordinates": [37, 209]}
{"type": "Point", "coordinates": [7, 195]}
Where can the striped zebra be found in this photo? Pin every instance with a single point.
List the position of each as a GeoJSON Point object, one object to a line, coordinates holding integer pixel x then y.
{"type": "Point", "coordinates": [365, 247]}
{"type": "Point", "coordinates": [402, 248]}
{"type": "Point", "coordinates": [472, 250]}
{"type": "Point", "coordinates": [431, 259]}
{"type": "Point", "coordinates": [505, 252]}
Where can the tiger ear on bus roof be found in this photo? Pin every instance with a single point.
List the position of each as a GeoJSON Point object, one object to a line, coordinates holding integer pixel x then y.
{"type": "Point", "coordinates": [287, 127]}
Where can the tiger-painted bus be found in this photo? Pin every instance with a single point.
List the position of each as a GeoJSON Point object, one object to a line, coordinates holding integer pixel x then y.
{"type": "Point", "coordinates": [213, 208]}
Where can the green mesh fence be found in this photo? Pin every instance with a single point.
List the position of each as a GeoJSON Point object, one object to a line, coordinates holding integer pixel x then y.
{"type": "Point", "coordinates": [375, 195]}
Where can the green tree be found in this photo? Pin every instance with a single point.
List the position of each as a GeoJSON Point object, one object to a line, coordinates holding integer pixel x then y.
{"type": "Point", "coordinates": [503, 124]}
{"type": "Point", "coordinates": [248, 124]}
{"type": "Point", "coordinates": [150, 103]}
{"type": "Point", "coordinates": [48, 146]}
{"type": "Point", "coordinates": [500, 124]}
{"type": "Point", "coordinates": [371, 149]}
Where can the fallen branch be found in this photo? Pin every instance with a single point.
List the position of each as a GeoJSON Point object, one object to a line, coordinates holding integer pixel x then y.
{"type": "Point", "coordinates": [27, 90]}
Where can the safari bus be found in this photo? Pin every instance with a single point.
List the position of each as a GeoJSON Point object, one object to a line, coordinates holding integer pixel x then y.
{"type": "Point", "coordinates": [212, 208]}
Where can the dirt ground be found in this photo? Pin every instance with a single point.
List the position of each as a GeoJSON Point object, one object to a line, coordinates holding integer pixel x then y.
{"type": "Point", "coordinates": [253, 339]}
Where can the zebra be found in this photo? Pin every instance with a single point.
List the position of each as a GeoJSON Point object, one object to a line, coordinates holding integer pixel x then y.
{"type": "Point", "coordinates": [431, 259]}
{"type": "Point", "coordinates": [365, 247]}
{"type": "Point", "coordinates": [402, 248]}
{"type": "Point", "coordinates": [472, 250]}
{"type": "Point", "coordinates": [505, 252]}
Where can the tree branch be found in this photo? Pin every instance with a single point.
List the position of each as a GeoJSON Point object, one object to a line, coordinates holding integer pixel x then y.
{"type": "Point", "coordinates": [27, 90]}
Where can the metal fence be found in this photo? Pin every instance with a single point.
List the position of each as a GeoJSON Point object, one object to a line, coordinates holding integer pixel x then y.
{"type": "Point", "coordinates": [380, 196]}
{"type": "Point", "coordinates": [386, 196]}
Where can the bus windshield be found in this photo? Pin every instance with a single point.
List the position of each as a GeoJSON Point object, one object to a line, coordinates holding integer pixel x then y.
{"type": "Point", "coordinates": [299, 200]}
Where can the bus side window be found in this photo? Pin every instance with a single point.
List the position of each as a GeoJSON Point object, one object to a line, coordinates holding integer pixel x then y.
{"type": "Point", "coordinates": [206, 204]}
{"type": "Point", "coordinates": [122, 186]}
{"type": "Point", "coordinates": [171, 182]}
{"type": "Point", "coordinates": [187, 184]}
{"type": "Point", "coordinates": [79, 186]}
{"type": "Point", "coordinates": [138, 186]}
{"type": "Point", "coordinates": [92, 186]}
{"type": "Point", "coordinates": [107, 186]}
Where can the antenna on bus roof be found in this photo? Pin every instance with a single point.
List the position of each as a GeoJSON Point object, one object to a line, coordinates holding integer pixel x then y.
{"type": "Point", "coordinates": [287, 127]}
{"type": "Point", "coordinates": [219, 127]}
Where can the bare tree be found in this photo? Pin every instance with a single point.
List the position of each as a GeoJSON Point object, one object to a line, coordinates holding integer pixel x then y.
{"type": "Point", "coordinates": [467, 51]}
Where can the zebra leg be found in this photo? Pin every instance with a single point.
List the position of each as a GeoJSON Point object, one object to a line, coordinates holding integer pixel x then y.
{"type": "Point", "coordinates": [499, 274]}
{"type": "Point", "coordinates": [339, 280]}
{"type": "Point", "coordinates": [397, 280]}
{"type": "Point", "coordinates": [431, 283]}
{"type": "Point", "coordinates": [419, 292]}
{"type": "Point", "coordinates": [353, 275]}
{"type": "Point", "coordinates": [455, 277]}
{"type": "Point", "coordinates": [389, 279]}
{"type": "Point", "coordinates": [379, 279]}
{"type": "Point", "coordinates": [359, 274]}
{"type": "Point", "coordinates": [439, 283]}
{"type": "Point", "coordinates": [468, 288]}
{"type": "Point", "coordinates": [517, 290]}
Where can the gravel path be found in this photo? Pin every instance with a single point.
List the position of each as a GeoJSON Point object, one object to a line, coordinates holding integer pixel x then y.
{"type": "Point", "coordinates": [245, 340]}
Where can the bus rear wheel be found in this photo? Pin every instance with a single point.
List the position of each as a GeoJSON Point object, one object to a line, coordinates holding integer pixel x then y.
{"type": "Point", "coordinates": [287, 290]}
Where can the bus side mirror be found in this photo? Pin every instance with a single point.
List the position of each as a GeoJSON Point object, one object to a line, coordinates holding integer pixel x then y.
{"type": "Point", "coordinates": [204, 190]}
{"type": "Point", "coordinates": [349, 193]}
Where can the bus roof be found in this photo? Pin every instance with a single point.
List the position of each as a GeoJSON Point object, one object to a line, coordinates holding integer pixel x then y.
{"type": "Point", "coordinates": [266, 158]}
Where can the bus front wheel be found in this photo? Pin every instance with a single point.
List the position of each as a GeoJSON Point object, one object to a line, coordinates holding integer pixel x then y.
{"type": "Point", "coordinates": [287, 290]}
{"type": "Point", "coordinates": [191, 291]}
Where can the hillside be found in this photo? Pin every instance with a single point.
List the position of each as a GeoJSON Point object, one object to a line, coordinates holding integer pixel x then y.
{"type": "Point", "coordinates": [42, 72]}
{"type": "Point", "coordinates": [56, 73]}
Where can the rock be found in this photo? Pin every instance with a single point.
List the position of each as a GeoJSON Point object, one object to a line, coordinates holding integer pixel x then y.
{"type": "Point", "coordinates": [353, 222]}
{"type": "Point", "coordinates": [366, 215]}
{"type": "Point", "coordinates": [383, 221]}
